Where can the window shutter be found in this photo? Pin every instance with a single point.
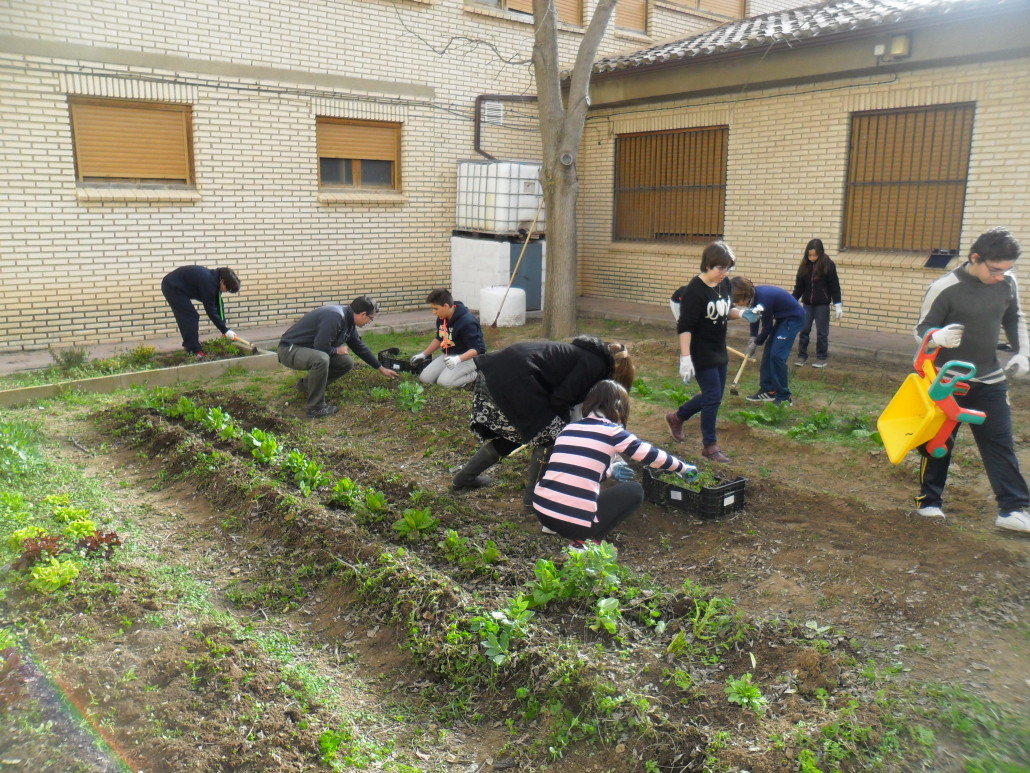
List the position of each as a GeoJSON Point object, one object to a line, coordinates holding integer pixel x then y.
{"type": "Point", "coordinates": [131, 140]}
{"type": "Point", "coordinates": [522, 6]}
{"type": "Point", "coordinates": [371, 141]}
{"type": "Point", "coordinates": [570, 11]}
{"type": "Point", "coordinates": [631, 15]}
{"type": "Point", "coordinates": [733, 8]}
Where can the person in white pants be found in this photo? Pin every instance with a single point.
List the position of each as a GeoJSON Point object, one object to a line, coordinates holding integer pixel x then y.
{"type": "Point", "coordinates": [459, 335]}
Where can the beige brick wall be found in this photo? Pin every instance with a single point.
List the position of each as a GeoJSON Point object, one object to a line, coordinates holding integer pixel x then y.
{"type": "Point", "coordinates": [786, 174]}
{"type": "Point", "coordinates": [85, 265]}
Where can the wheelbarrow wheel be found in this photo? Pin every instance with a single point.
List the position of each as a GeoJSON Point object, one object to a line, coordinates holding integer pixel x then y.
{"type": "Point", "coordinates": [949, 444]}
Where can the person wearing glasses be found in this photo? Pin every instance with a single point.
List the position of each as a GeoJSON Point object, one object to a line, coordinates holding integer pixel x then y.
{"type": "Point", "coordinates": [703, 307]}
{"type": "Point", "coordinates": [968, 308]}
{"type": "Point", "coordinates": [320, 342]}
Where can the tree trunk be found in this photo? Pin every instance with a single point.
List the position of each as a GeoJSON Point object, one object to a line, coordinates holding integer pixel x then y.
{"type": "Point", "coordinates": [562, 118]}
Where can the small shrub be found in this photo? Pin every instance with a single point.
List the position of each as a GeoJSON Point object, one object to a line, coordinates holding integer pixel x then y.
{"type": "Point", "coordinates": [69, 359]}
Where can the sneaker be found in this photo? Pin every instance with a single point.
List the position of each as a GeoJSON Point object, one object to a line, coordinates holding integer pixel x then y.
{"type": "Point", "coordinates": [801, 361]}
{"type": "Point", "coordinates": [761, 397]}
{"type": "Point", "coordinates": [545, 530]}
{"type": "Point", "coordinates": [819, 364]}
{"type": "Point", "coordinates": [930, 512]}
{"type": "Point", "coordinates": [675, 425]}
{"type": "Point", "coordinates": [783, 401]}
{"type": "Point", "coordinates": [1017, 520]}
{"type": "Point", "coordinates": [323, 410]}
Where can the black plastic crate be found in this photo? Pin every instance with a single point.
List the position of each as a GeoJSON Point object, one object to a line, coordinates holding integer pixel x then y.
{"type": "Point", "coordinates": [389, 358]}
{"type": "Point", "coordinates": [710, 502]}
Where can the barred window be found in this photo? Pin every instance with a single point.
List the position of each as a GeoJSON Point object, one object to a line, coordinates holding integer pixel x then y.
{"type": "Point", "coordinates": [670, 186]}
{"type": "Point", "coordinates": [907, 173]}
{"type": "Point", "coordinates": [125, 141]}
{"type": "Point", "coordinates": [358, 154]}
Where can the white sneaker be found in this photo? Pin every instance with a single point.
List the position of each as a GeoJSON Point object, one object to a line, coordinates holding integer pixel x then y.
{"type": "Point", "coordinates": [930, 512]}
{"type": "Point", "coordinates": [801, 361]}
{"type": "Point", "coordinates": [819, 364]}
{"type": "Point", "coordinates": [545, 530]}
{"type": "Point", "coordinates": [1017, 520]}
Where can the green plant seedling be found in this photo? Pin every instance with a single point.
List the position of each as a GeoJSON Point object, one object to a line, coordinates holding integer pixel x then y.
{"type": "Point", "coordinates": [745, 693]}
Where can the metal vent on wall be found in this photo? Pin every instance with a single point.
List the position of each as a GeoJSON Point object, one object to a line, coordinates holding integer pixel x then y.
{"type": "Point", "coordinates": [493, 112]}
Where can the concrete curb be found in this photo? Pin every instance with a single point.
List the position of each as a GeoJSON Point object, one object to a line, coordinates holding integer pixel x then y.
{"type": "Point", "coordinates": [264, 360]}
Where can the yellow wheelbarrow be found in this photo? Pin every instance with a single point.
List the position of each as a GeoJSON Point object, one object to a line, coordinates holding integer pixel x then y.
{"type": "Point", "coordinates": [923, 412]}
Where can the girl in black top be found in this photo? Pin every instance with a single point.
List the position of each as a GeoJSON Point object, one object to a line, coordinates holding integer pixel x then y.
{"type": "Point", "coordinates": [817, 287]}
{"type": "Point", "coordinates": [706, 304]}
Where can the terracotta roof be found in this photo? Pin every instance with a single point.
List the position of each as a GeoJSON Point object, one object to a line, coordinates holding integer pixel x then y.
{"type": "Point", "coordinates": [798, 24]}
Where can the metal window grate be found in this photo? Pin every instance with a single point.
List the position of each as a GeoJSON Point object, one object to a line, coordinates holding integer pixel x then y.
{"type": "Point", "coordinates": [670, 186]}
{"type": "Point", "coordinates": [907, 173]}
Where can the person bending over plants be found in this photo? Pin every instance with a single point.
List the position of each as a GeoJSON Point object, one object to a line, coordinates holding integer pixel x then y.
{"type": "Point", "coordinates": [569, 499]}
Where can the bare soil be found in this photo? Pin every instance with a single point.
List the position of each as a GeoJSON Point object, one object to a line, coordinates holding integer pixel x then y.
{"type": "Point", "coordinates": [826, 561]}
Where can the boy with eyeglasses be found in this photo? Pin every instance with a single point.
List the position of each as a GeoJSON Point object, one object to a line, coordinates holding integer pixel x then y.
{"type": "Point", "coordinates": [969, 307]}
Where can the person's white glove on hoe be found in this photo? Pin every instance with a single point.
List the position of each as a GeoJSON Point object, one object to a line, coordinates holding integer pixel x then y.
{"type": "Point", "coordinates": [451, 361]}
{"type": "Point", "coordinates": [686, 369]}
{"type": "Point", "coordinates": [948, 336]}
{"type": "Point", "coordinates": [417, 359]}
{"type": "Point", "coordinates": [838, 310]}
{"type": "Point", "coordinates": [1018, 365]}
{"type": "Point", "coordinates": [230, 335]}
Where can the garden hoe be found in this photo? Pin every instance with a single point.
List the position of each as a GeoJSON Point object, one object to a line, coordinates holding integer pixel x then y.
{"type": "Point", "coordinates": [740, 370]}
{"type": "Point", "coordinates": [245, 344]}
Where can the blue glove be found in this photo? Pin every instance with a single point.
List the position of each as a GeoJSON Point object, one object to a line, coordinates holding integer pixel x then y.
{"type": "Point", "coordinates": [689, 473]}
{"type": "Point", "coordinates": [622, 472]}
{"type": "Point", "coordinates": [751, 315]}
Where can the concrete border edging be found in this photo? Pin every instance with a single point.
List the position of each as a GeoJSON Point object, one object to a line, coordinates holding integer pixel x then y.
{"type": "Point", "coordinates": [264, 360]}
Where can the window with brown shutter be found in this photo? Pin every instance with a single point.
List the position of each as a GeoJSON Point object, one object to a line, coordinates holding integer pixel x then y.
{"type": "Point", "coordinates": [907, 173]}
{"type": "Point", "coordinates": [118, 141]}
{"type": "Point", "coordinates": [731, 8]}
{"type": "Point", "coordinates": [671, 186]}
{"type": "Point", "coordinates": [631, 15]}
{"type": "Point", "coordinates": [358, 154]}
{"type": "Point", "coordinates": [569, 11]}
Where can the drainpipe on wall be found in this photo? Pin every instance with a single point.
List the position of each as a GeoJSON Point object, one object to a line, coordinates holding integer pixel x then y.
{"type": "Point", "coordinates": [479, 112]}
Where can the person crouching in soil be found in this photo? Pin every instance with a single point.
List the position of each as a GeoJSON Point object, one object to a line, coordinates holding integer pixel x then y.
{"type": "Point", "coordinates": [569, 499]}
{"type": "Point", "coordinates": [527, 392]}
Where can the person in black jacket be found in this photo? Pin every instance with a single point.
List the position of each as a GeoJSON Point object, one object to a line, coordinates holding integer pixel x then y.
{"type": "Point", "coordinates": [459, 335]}
{"type": "Point", "coordinates": [526, 393]}
{"type": "Point", "coordinates": [318, 343]}
{"type": "Point", "coordinates": [817, 286]}
{"type": "Point", "coordinates": [195, 283]}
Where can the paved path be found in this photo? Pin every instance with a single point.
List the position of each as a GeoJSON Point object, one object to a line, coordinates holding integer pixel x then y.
{"type": "Point", "coordinates": [894, 349]}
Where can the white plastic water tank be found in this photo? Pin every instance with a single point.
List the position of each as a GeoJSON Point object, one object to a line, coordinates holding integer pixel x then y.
{"type": "Point", "coordinates": [511, 314]}
{"type": "Point", "coordinates": [499, 197]}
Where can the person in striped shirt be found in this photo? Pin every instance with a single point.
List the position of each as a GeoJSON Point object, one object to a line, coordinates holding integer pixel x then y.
{"type": "Point", "coordinates": [569, 499]}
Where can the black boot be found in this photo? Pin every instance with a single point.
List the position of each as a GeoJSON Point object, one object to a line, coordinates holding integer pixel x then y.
{"type": "Point", "coordinates": [536, 468]}
{"type": "Point", "coordinates": [468, 476]}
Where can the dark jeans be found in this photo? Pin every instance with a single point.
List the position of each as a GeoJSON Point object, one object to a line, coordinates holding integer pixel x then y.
{"type": "Point", "coordinates": [821, 316]}
{"type": "Point", "coordinates": [322, 369]}
{"type": "Point", "coordinates": [773, 373]}
{"type": "Point", "coordinates": [994, 441]}
{"type": "Point", "coordinates": [706, 402]}
{"type": "Point", "coordinates": [614, 505]}
{"type": "Point", "coordinates": [186, 317]}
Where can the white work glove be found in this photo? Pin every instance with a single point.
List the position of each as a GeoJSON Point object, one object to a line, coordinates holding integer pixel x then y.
{"type": "Point", "coordinates": [1018, 365]}
{"type": "Point", "coordinates": [451, 361]}
{"type": "Point", "coordinates": [622, 472]}
{"type": "Point", "coordinates": [675, 308]}
{"type": "Point", "coordinates": [752, 315]}
{"type": "Point", "coordinates": [838, 310]}
{"type": "Point", "coordinates": [686, 369]}
{"type": "Point", "coordinates": [417, 359]}
{"type": "Point", "coordinates": [230, 335]}
{"type": "Point", "coordinates": [752, 346]}
{"type": "Point", "coordinates": [948, 336]}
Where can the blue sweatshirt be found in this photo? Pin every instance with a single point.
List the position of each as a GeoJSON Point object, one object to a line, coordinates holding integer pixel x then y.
{"type": "Point", "coordinates": [461, 332]}
{"type": "Point", "coordinates": [778, 305]}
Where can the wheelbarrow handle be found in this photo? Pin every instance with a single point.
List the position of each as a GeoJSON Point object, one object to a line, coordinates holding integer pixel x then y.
{"type": "Point", "coordinates": [927, 351]}
{"type": "Point", "coordinates": [949, 380]}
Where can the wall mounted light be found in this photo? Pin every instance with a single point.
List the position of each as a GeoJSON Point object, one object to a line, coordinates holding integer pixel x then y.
{"type": "Point", "coordinates": [900, 46]}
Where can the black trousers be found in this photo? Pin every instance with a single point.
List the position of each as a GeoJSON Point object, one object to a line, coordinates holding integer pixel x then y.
{"type": "Point", "coordinates": [614, 505]}
{"type": "Point", "coordinates": [186, 317]}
